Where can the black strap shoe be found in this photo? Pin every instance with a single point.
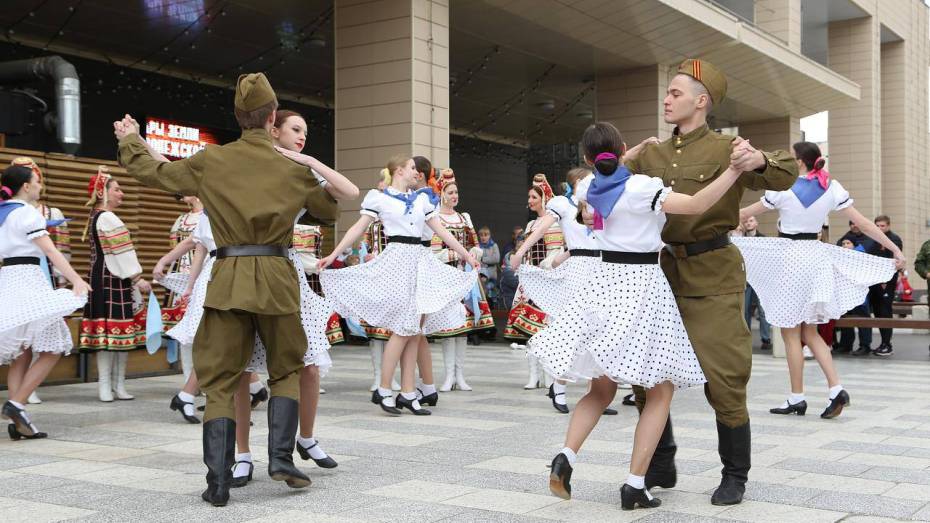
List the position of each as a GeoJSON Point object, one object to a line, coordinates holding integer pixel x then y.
{"type": "Point", "coordinates": [282, 431]}
{"type": "Point", "coordinates": [324, 463]}
{"type": "Point", "coordinates": [835, 408]}
{"type": "Point", "coordinates": [560, 477]}
{"type": "Point", "coordinates": [735, 451]}
{"type": "Point", "coordinates": [662, 471]}
{"type": "Point", "coordinates": [413, 405]}
{"type": "Point", "coordinates": [610, 412]}
{"type": "Point", "coordinates": [378, 399]}
{"type": "Point", "coordinates": [799, 408]}
{"type": "Point", "coordinates": [557, 406]}
{"type": "Point", "coordinates": [259, 397]}
{"type": "Point", "coordinates": [631, 497]}
{"type": "Point", "coordinates": [219, 445]}
{"type": "Point", "coordinates": [16, 435]}
{"type": "Point", "coordinates": [242, 481]}
{"type": "Point", "coordinates": [629, 400]}
{"type": "Point", "coordinates": [428, 399]}
{"type": "Point", "coordinates": [19, 418]}
{"type": "Point", "coordinates": [178, 404]}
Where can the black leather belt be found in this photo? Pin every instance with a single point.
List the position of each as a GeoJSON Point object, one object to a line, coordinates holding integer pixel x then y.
{"type": "Point", "coordinates": [20, 260]}
{"type": "Point", "coordinates": [409, 240]}
{"type": "Point", "coordinates": [799, 236]}
{"type": "Point", "coordinates": [426, 243]}
{"type": "Point", "coordinates": [638, 258]}
{"type": "Point", "coordinates": [232, 251]}
{"type": "Point", "coordinates": [592, 253]}
{"type": "Point", "coordinates": [693, 249]}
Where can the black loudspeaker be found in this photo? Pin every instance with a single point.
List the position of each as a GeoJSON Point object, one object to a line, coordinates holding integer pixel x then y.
{"type": "Point", "coordinates": [13, 113]}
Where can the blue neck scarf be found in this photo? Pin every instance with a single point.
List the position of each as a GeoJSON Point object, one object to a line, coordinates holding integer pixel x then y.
{"type": "Point", "coordinates": [6, 208]}
{"type": "Point", "coordinates": [409, 198]}
{"type": "Point", "coordinates": [604, 192]}
{"type": "Point", "coordinates": [808, 191]}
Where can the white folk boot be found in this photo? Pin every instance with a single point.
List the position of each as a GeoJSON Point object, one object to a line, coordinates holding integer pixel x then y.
{"type": "Point", "coordinates": [187, 361]}
{"type": "Point", "coordinates": [119, 376]}
{"type": "Point", "coordinates": [104, 374]}
{"type": "Point", "coordinates": [533, 381]}
{"type": "Point", "coordinates": [377, 346]}
{"type": "Point", "coordinates": [34, 398]}
{"type": "Point", "coordinates": [461, 345]}
{"type": "Point", "coordinates": [448, 359]}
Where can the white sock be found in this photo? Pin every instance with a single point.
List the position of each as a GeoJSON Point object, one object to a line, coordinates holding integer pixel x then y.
{"type": "Point", "coordinates": [835, 390]}
{"type": "Point", "coordinates": [17, 405]}
{"type": "Point", "coordinates": [241, 470]}
{"type": "Point", "coordinates": [794, 399]}
{"type": "Point", "coordinates": [558, 390]}
{"type": "Point", "coordinates": [570, 454]}
{"type": "Point", "coordinates": [409, 395]}
{"type": "Point", "coordinates": [427, 389]}
{"type": "Point", "coordinates": [255, 386]}
{"type": "Point", "coordinates": [312, 447]}
{"type": "Point", "coordinates": [387, 398]}
{"type": "Point", "coordinates": [638, 482]}
{"type": "Point", "coordinates": [188, 400]}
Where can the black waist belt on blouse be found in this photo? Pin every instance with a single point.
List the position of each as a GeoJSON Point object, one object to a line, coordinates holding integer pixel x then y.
{"type": "Point", "coordinates": [426, 243]}
{"type": "Point", "coordinates": [212, 253]}
{"type": "Point", "coordinates": [799, 236]}
{"type": "Point", "coordinates": [693, 249]}
{"type": "Point", "coordinates": [232, 251]}
{"type": "Point", "coordinates": [593, 253]}
{"type": "Point", "coordinates": [409, 240]}
{"type": "Point", "coordinates": [638, 258]}
{"type": "Point", "coordinates": [20, 260]}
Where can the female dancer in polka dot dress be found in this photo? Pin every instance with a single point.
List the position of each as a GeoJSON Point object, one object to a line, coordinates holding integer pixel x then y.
{"type": "Point", "coordinates": [802, 281]}
{"type": "Point", "coordinates": [405, 289]}
{"type": "Point", "coordinates": [622, 324]}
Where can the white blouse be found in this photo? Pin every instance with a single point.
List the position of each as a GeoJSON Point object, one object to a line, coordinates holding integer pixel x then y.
{"type": "Point", "coordinates": [577, 235]}
{"type": "Point", "coordinates": [22, 225]}
{"type": "Point", "coordinates": [203, 234]}
{"type": "Point", "coordinates": [636, 221]}
{"type": "Point", "coordinates": [391, 212]}
{"type": "Point", "coordinates": [794, 218]}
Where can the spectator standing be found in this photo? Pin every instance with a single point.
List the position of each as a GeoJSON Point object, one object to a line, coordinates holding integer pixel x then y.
{"type": "Point", "coordinates": [922, 263]}
{"type": "Point", "coordinates": [881, 296]}
{"type": "Point", "coordinates": [490, 253]}
{"type": "Point", "coordinates": [854, 235]}
{"type": "Point", "coordinates": [512, 244]}
{"type": "Point", "coordinates": [750, 229]}
{"type": "Point", "coordinates": [846, 334]}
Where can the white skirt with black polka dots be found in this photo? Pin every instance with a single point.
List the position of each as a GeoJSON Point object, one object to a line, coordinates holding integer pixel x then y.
{"type": "Point", "coordinates": [809, 281]}
{"type": "Point", "coordinates": [314, 315]}
{"type": "Point", "coordinates": [186, 329]}
{"type": "Point", "coordinates": [32, 314]}
{"type": "Point", "coordinates": [623, 324]}
{"type": "Point", "coordinates": [553, 289]}
{"type": "Point", "coordinates": [401, 288]}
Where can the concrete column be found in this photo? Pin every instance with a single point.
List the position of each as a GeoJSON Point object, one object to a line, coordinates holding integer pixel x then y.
{"type": "Point", "coordinates": [855, 127]}
{"type": "Point", "coordinates": [769, 135]}
{"type": "Point", "coordinates": [632, 100]}
{"type": "Point", "coordinates": [392, 87]}
{"type": "Point", "coordinates": [782, 19]}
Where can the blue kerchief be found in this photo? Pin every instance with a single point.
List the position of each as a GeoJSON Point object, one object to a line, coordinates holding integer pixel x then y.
{"type": "Point", "coordinates": [6, 208]}
{"type": "Point", "coordinates": [807, 191]}
{"type": "Point", "coordinates": [604, 192]}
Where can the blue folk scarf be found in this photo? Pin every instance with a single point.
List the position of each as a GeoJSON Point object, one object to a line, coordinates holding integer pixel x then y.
{"type": "Point", "coordinates": [409, 198]}
{"type": "Point", "coordinates": [808, 191]}
{"type": "Point", "coordinates": [6, 208]}
{"type": "Point", "coordinates": [604, 192]}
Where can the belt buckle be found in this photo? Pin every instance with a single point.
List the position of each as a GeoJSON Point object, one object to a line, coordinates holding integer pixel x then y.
{"type": "Point", "coordinates": [678, 251]}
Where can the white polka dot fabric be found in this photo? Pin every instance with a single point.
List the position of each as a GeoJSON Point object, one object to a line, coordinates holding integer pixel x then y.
{"type": "Point", "coordinates": [623, 324]}
{"type": "Point", "coordinates": [397, 288]}
{"type": "Point", "coordinates": [553, 289]}
{"type": "Point", "coordinates": [809, 281]}
{"type": "Point", "coordinates": [33, 313]}
{"type": "Point", "coordinates": [186, 329]}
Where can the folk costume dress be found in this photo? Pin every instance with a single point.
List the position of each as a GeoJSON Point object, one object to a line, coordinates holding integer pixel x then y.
{"type": "Point", "coordinates": [308, 242]}
{"type": "Point", "coordinates": [460, 225]}
{"type": "Point", "coordinates": [623, 322]}
{"type": "Point", "coordinates": [798, 278]}
{"type": "Point", "coordinates": [33, 312]}
{"type": "Point", "coordinates": [375, 241]}
{"type": "Point", "coordinates": [405, 282]}
{"type": "Point", "coordinates": [182, 228]}
{"type": "Point", "coordinates": [526, 318]}
{"type": "Point", "coordinates": [552, 289]}
{"type": "Point", "coordinates": [114, 317]}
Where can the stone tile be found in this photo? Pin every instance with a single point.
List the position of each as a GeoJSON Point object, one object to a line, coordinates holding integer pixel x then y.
{"type": "Point", "coordinates": [909, 491]}
{"type": "Point", "coordinates": [34, 512]}
{"type": "Point", "coordinates": [759, 491]}
{"type": "Point", "coordinates": [401, 511]}
{"type": "Point", "coordinates": [922, 514]}
{"type": "Point", "coordinates": [296, 516]}
{"type": "Point", "coordinates": [846, 467]}
{"type": "Point", "coordinates": [921, 477]}
{"type": "Point", "coordinates": [9, 461]}
{"type": "Point", "coordinates": [871, 448]}
{"type": "Point", "coordinates": [123, 475]}
{"type": "Point", "coordinates": [776, 512]}
{"type": "Point", "coordinates": [586, 511]}
{"type": "Point", "coordinates": [421, 490]}
{"type": "Point", "coordinates": [864, 504]}
{"type": "Point", "coordinates": [65, 469]}
{"type": "Point", "coordinates": [503, 501]}
{"type": "Point", "coordinates": [903, 462]}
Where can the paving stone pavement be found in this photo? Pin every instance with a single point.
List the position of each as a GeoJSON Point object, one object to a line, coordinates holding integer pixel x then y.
{"type": "Point", "coordinates": [482, 456]}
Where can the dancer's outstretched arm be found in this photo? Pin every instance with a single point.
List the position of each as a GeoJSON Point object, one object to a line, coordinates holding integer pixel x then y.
{"type": "Point", "coordinates": [354, 233]}
{"type": "Point", "coordinates": [872, 231]}
{"type": "Point", "coordinates": [336, 184]}
{"type": "Point", "coordinates": [539, 229]}
{"type": "Point", "coordinates": [677, 203]}
{"type": "Point", "coordinates": [450, 240]}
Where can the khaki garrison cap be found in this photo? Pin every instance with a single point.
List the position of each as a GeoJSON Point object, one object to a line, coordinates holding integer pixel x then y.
{"type": "Point", "coordinates": [706, 73]}
{"type": "Point", "coordinates": [253, 91]}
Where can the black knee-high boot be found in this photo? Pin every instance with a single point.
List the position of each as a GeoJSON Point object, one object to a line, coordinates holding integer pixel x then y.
{"type": "Point", "coordinates": [735, 452]}
{"type": "Point", "coordinates": [219, 444]}
{"type": "Point", "coordinates": [662, 471]}
{"type": "Point", "coordinates": [282, 429]}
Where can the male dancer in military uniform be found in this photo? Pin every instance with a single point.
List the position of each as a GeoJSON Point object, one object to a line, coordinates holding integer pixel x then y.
{"type": "Point", "coordinates": [252, 195]}
{"type": "Point", "coordinates": [705, 271]}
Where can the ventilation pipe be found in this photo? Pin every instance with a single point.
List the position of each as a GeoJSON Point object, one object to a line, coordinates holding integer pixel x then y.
{"type": "Point", "coordinates": [67, 93]}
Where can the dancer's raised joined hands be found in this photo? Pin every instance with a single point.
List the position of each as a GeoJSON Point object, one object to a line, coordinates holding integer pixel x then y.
{"type": "Point", "coordinates": [125, 127]}
{"type": "Point", "coordinates": [634, 151]}
{"type": "Point", "coordinates": [301, 158]}
{"type": "Point", "coordinates": [745, 157]}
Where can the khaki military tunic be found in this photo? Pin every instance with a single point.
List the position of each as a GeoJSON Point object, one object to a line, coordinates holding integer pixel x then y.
{"type": "Point", "coordinates": [252, 195]}
{"type": "Point", "coordinates": [709, 286]}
